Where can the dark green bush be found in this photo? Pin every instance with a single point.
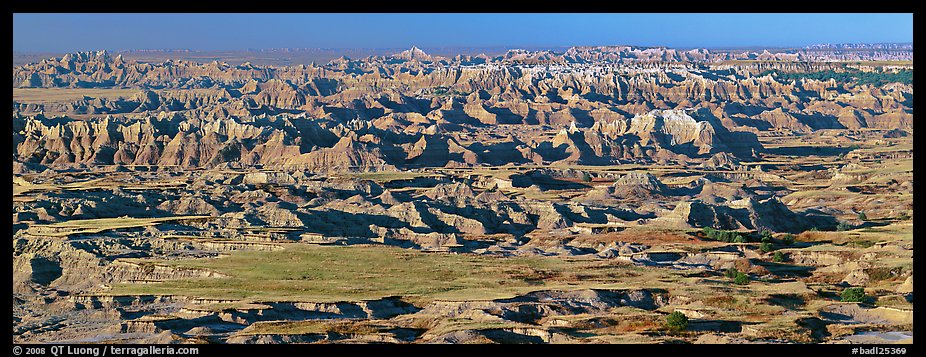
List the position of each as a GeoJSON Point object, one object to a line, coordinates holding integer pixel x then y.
{"type": "Point", "coordinates": [853, 295]}
{"type": "Point", "coordinates": [741, 279]}
{"type": "Point", "coordinates": [724, 236]}
{"type": "Point", "coordinates": [677, 321]}
{"type": "Point", "coordinates": [787, 239]}
{"type": "Point", "coordinates": [766, 247]}
{"type": "Point", "coordinates": [778, 257]}
{"type": "Point", "coordinates": [765, 235]}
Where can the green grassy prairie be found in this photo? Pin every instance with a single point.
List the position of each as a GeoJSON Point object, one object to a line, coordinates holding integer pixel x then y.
{"type": "Point", "coordinates": [354, 273]}
{"type": "Point", "coordinates": [98, 225]}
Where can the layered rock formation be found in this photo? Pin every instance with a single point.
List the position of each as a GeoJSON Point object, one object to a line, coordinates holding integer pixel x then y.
{"type": "Point", "coordinates": [621, 156]}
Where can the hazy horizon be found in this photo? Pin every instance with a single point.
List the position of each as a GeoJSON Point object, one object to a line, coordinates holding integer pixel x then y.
{"type": "Point", "coordinates": [59, 33]}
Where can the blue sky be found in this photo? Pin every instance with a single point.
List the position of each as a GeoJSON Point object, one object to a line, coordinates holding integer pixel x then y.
{"type": "Point", "coordinates": [74, 32]}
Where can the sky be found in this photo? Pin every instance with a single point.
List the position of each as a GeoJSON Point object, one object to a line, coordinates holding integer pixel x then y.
{"type": "Point", "coordinates": [209, 32]}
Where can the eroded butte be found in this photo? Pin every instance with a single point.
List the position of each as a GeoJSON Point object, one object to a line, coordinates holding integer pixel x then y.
{"type": "Point", "coordinates": [533, 196]}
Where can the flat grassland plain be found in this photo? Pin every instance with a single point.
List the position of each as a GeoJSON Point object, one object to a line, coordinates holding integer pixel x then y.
{"type": "Point", "coordinates": [529, 197]}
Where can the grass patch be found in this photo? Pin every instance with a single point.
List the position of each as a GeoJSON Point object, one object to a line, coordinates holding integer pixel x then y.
{"type": "Point", "coordinates": [97, 225]}
{"type": "Point", "coordinates": [21, 186]}
{"type": "Point", "coordinates": [66, 95]}
{"type": "Point", "coordinates": [387, 176]}
{"type": "Point", "coordinates": [308, 327]}
{"type": "Point", "coordinates": [885, 273]}
{"type": "Point", "coordinates": [353, 273]}
{"type": "Point", "coordinates": [461, 324]}
{"type": "Point", "coordinates": [894, 232]}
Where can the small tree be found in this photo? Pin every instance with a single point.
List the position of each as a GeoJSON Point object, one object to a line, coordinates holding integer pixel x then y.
{"type": "Point", "coordinates": [731, 273]}
{"type": "Point", "coordinates": [853, 295]}
{"type": "Point", "coordinates": [677, 321]}
{"type": "Point", "coordinates": [788, 239]}
{"type": "Point", "coordinates": [862, 216]}
{"type": "Point", "coordinates": [740, 239]}
{"type": "Point", "coordinates": [765, 235]}
{"type": "Point", "coordinates": [766, 247]}
{"type": "Point", "coordinates": [586, 177]}
{"type": "Point", "coordinates": [723, 236]}
{"type": "Point", "coordinates": [778, 257]}
{"type": "Point", "coordinates": [741, 279]}
{"type": "Point", "coordinates": [843, 226]}
{"type": "Point", "coordinates": [727, 236]}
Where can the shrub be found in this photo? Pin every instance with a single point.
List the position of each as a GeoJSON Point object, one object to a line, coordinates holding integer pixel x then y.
{"type": "Point", "coordinates": [862, 216]}
{"type": "Point", "coordinates": [730, 237]}
{"type": "Point", "coordinates": [765, 235]}
{"type": "Point", "coordinates": [787, 239]}
{"type": "Point", "coordinates": [731, 273]}
{"type": "Point", "coordinates": [741, 279]}
{"type": "Point", "coordinates": [853, 295]}
{"type": "Point", "coordinates": [778, 257]}
{"type": "Point", "coordinates": [586, 177]}
{"type": "Point", "coordinates": [766, 247]}
{"type": "Point", "coordinates": [724, 236]}
{"type": "Point", "coordinates": [843, 226]}
{"type": "Point", "coordinates": [677, 321]}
